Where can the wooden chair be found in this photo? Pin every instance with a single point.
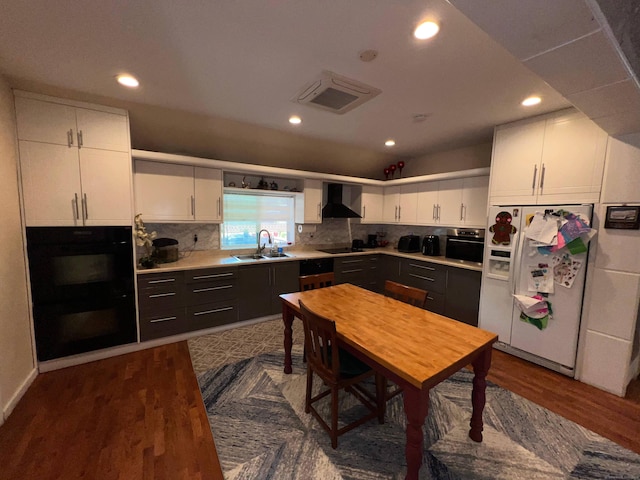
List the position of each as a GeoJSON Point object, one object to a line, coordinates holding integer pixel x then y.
{"type": "Point", "coordinates": [338, 370]}
{"type": "Point", "coordinates": [320, 280]}
{"type": "Point", "coordinates": [411, 295]}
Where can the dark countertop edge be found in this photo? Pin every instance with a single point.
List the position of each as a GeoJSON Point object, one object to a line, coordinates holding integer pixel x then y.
{"type": "Point", "coordinates": [216, 261]}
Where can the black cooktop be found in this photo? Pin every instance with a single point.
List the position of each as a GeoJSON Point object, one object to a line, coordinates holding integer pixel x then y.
{"type": "Point", "coordinates": [339, 250]}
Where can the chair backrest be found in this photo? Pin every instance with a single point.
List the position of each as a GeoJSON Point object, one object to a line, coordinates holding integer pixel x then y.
{"type": "Point", "coordinates": [411, 295]}
{"type": "Point", "coordinates": [319, 280]}
{"type": "Point", "coordinates": [320, 342]}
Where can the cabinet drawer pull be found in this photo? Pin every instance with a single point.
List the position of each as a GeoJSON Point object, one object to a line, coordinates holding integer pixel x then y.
{"type": "Point", "coordinates": [158, 295]}
{"type": "Point", "coordinates": [164, 280]}
{"type": "Point", "coordinates": [422, 266]}
{"type": "Point", "coordinates": [423, 278]}
{"type": "Point", "coordinates": [352, 271]}
{"type": "Point", "coordinates": [214, 275]}
{"type": "Point", "coordinates": [429, 298]}
{"type": "Point", "coordinates": [165, 319]}
{"type": "Point", "coordinates": [215, 310]}
{"type": "Point", "coordinates": [199, 290]}
{"type": "Point", "coordinates": [352, 261]}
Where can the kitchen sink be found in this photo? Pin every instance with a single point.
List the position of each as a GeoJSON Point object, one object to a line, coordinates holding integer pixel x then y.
{"type": "Point", "coordinates": [276, 255]}
{"type": "Point", "coordinates": [252, 256]}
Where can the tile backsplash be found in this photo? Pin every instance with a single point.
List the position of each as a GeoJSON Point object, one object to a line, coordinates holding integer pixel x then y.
{"type": "Point", "coordinates": [331, 232]}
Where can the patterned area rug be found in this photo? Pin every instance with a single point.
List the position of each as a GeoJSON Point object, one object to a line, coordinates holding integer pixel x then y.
{"type": "Point", "coordinates": [258, 422]}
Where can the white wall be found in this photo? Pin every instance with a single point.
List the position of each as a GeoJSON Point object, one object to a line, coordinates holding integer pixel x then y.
{"type": "Point", "coordinates": [17, 366]}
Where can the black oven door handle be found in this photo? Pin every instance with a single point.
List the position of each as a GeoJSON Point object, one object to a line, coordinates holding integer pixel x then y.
{"type": "Point", "coordinates": [476, 242]}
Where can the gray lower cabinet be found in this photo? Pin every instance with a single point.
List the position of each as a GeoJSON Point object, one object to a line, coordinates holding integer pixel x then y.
{"type": "Point", "coordinates": [360, 270]}
{"type": "Point", "coordinates": [161, 305]}
{"type": "Point", "coordinates": [183, 301]}
{"type": "Point", "coordinates": [260, 285]}
{"type": "Point", "coordinates": [211, 297]}
{"type": "Point", "coordinates": [462, 297]}
{"type": "Point", "coordinates": [431, 277]}
{"type": "Point", "coordinates": [388, 269]}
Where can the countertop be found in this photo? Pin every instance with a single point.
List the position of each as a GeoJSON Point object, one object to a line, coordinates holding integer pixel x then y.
{"type": "Point", "coordinates": [216, 258]}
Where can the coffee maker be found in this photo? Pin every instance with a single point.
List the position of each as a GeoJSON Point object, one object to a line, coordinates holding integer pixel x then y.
{"type": "Point", "coordinates": [372, 241]}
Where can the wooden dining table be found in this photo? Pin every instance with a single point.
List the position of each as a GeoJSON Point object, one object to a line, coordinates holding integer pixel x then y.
{"type": "Point", "coordinates": [413, 347]}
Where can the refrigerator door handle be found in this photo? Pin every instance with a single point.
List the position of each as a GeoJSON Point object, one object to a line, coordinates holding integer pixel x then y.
{"type": "Point", "coordinates": [515, 263]}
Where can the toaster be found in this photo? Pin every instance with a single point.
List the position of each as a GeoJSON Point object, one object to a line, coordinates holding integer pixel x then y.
{"type": "Point", "coordinates": [409, 244]}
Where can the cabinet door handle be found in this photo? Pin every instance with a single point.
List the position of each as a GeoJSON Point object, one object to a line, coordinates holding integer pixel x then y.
{"type": "Point", "coordinates": [364, 211]}
{"type": "Point", "coordinates": [423, 278]}
{"type": "Point", "coordinates": [399, 210]}
{"type": "Point", "coordinates": [164, 280]}
{"type": "Point", "coordinates": [433, 212]}
{"type": "Point", "coordinates": [193, 206]}
{"type": "Point", "coordinates": [535, 175]}
{"type": "Point", "coordinates": [85, 207]}
{"type": "Point", "coordinates": [215, 310]}
{"type": "Point", "coordinates": [209, 289]}
{"type": "Point", "coordinates": [80, 139]}
{"type": "Point", "coordinates": [319, 210]}
{"type": "Point", "coordinates": [219, 208]}
{"type": "Point", "coordinates": [422, 266]}
{"type": "Point", "coordinates": [159, 295]}
{"type": "Point", "coordinates": [70, 138]}
{"type": "Point", "coordinates": [76, 203]}
{"type": "Point", "coordinates": [438, 210]}
{"type": "Point", "coordinates": [395, 215]}
{"type": "Point", "coordinates": [213, 275]}
{"type": "Point", "coordinates": [165, 319]}
{"type": "Point", "coordinates": [461, 211]}
{"type": "Point", "coordinates": [542, 177]}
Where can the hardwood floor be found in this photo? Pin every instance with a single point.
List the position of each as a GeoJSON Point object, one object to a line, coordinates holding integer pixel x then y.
{"type": "Point", "coordinates": [140, 416]}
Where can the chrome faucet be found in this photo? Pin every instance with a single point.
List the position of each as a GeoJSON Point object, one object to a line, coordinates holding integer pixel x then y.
{"type": "Point", "coordinates": [260, 249]}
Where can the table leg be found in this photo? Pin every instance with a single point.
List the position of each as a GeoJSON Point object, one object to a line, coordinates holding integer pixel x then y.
{"type": "Point", "coordinates": [287, 318]}
{"type": "Point", "coordinates": [478, 398]}
{"type": "Point", "coordinates": [416, 408]}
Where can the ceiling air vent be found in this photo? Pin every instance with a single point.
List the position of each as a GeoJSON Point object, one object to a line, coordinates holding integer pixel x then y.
{"type": "Point", "coordinates": [335, 93]}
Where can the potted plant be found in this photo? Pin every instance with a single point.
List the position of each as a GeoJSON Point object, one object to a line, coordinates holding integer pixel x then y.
{"type": "Point", "coordinates": [145, 239]}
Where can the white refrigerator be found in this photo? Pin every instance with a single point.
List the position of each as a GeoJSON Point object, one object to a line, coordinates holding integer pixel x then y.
{"type": "Point", "coordinates": [508, 265]}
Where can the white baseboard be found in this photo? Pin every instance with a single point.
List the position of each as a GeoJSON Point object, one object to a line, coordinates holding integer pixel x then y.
{"type": "Point", "coordinates": [19, 394]}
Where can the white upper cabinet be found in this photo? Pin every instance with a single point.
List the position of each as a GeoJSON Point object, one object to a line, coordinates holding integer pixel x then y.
{"type": "Point", "coordinates": [312, 199]}
{"type": "Point", "coordinates": [371, 204]}
{"type": "Point", "coordinates": [166, 192]}
{"type": "Point", "coordinates": [475, 195]}
{"type": "Point", "coordinates": [455, 202]}
{"type": "Point", "coordinates": [67, 181]}
{"type": "Point", "coordinates": [49, 122]}
{"type": "Point", "coordinates": [557, 158]}
{"type": "Point", "coordinates": [400, 204]}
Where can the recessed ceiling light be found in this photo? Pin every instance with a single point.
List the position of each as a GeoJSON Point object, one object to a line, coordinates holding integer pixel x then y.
{"type": "Point", "coordinates": [426, 30]}
{"type": "Point", "coordinates": [530, 101]}
{"type": "Point", "coordinates": [295, 120]}
{"type": "Point", "coordinates": [127, 81]}
{"type": "Point", "coordinates": [390, 143]}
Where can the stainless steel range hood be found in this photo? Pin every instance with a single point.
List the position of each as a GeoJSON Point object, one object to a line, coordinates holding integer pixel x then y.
{"type": "Point", "coordinates": [334, 207]}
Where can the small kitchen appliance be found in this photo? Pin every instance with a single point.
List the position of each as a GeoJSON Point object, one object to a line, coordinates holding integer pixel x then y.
{"type": "Point", "coordinates": [409, 244]}
{"type": "Point", "coordinates": [357, 245]}
{"type": "Point", "coordinates": [431, 245]}
{"type": "Point", "coordinates": [165, 250]}
{"type": "Point", "coordinates": [372, 241]}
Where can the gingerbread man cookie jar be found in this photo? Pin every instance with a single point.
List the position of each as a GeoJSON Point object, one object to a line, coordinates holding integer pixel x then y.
{"type": "Point", "coordinates": [502, 229]}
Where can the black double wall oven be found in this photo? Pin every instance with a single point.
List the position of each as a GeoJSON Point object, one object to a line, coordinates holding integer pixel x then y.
{"type": "Point", "coordinates": [82, 288]}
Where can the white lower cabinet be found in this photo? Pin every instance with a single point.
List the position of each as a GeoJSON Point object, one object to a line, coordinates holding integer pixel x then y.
{"type": "Point", "coordinates": [64, 186]}
{"type": "Point", "coordinates": [167, 192]}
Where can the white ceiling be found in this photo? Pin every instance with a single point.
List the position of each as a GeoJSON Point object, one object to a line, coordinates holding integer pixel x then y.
{"type": "Point", "coordinates": [243, 61]}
